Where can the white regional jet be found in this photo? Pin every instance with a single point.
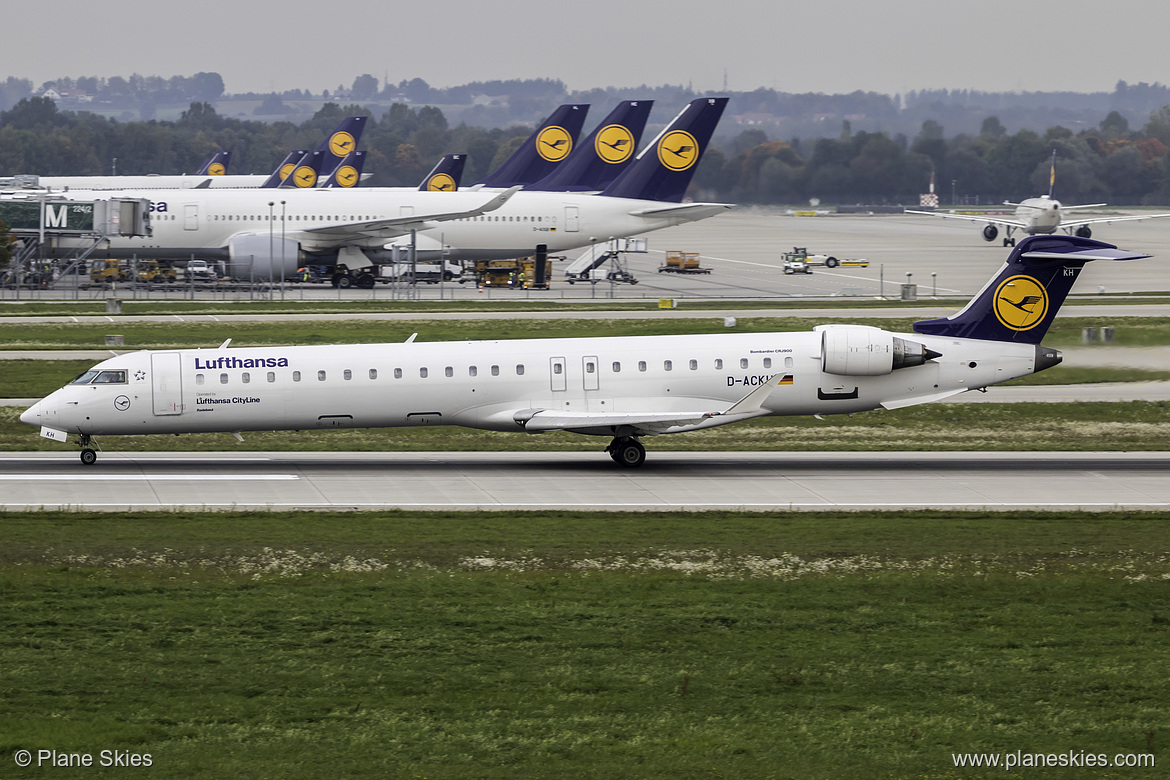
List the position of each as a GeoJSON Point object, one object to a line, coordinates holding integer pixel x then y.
{"type": "Point", "coordinates": [621, 387]}
{"type": "Point", "coordinates": [1038, 216]}
{"type": "Point", "coordinates": [265, 234]}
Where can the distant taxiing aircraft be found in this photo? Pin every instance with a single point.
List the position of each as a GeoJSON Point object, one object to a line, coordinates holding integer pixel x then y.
{"type": "Point", "coordinates": [625, 388]}
{"type": "Point", "coordinates": [1039, 216]}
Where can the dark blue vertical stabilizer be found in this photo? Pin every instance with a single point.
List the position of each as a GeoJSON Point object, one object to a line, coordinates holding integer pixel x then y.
{"type": "Point", "coordinates": [1020, 302]}
{"type": "Point", "coordinates": [343, 140]}
{"type": "Point", "coordinates": [348, 173]}
{"type": "Point", "coordinates": [446, 174]}
{"type": "Point", "coordinates": [216, 164]}
{"type": "Point", "coordinates": [604, 154]}
{"type": "Point", "coordinates": [542, 151]}
{"type": "Point", "coordinates": [284, 169]}
{"type": "Point", "coordinates": [664, 169]}
{"type": "Point", "coordinates": [306, 172]}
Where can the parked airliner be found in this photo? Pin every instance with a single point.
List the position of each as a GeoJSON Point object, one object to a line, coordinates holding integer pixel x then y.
{"type": "Point", "coordinates": [625, 388]}
{"type": "Point", "coordinates": [260, 237]}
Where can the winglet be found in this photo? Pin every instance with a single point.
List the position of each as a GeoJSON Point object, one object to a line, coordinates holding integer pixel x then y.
{"type": "Point", "coordinates": [752, 404]}
{"type": "Point", "coordinates": [496, 201]}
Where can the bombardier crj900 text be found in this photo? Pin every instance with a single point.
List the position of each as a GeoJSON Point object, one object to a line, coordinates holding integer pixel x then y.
{"type": "Point", "coordinates": [621, 387]}
{"type": "Point", "coordinates": [259, 237]}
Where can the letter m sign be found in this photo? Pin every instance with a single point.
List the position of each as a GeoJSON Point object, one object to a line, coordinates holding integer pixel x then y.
{"type": "Point", "coordinates": [57, 218]}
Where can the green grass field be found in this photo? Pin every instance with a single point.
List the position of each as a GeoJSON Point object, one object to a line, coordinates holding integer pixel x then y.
{"type": "Point", "coordinates": [581, 645]}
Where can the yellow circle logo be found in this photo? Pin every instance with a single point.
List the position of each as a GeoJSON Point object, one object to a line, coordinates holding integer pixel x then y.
{"type": "Point", "coordinates": [441, 182]}
{"type": "Point", "coordinates": [304, 176]}
{"type": "Point", "coordinates": [285, 170]}
{"type": "Point", "coordinates": [554, 143]}
{"type": "Point", "coordinates": [1020, 302]}
{"type": "Point", "coordinates": [347, 176]}
{"type": "Point", "coordinates": [216, 169]}
{"type": "Point", "coordinates": [614, 144]}
{"type": "Point", "coordinates": [341, 144]}
{"type": "Point", "coordinates": [678, 150]}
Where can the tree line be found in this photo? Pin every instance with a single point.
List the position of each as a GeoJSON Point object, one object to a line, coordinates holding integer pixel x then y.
{"type": "Point", "coordinates": [1110, 162]}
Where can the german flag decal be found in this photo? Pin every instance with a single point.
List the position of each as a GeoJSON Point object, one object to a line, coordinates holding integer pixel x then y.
{"type": "Point", "coordinates": [786, 380]}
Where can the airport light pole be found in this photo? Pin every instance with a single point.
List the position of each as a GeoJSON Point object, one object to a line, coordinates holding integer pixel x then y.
{"type": "Point", "coordinates": [282, 213]}
{"type": "Point", "coordinates": [271, 217]}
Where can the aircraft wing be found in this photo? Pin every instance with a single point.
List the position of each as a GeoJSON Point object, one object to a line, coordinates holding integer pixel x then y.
{"type": "Point", "coordinates": [1072, 223]}
{"type": "Point", "coordinates": [351, 232]}
{"type": "Point", "coordinates": [692, 211]}
{"type": "Point", "coordinates": [648, 423]}
{"type": "Point", "coordinates": [988, 220]}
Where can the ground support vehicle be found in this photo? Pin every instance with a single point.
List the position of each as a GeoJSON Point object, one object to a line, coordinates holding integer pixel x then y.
{"type": "Point", "coordinates": [683, 263]}
{"type": "Point", "coordinates": [800, 253]}
{"type": "Point", "coordinates": [795, 266]}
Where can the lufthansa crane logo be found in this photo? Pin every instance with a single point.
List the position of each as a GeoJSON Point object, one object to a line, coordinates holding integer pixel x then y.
{"type": "Point", "coordinates": [614, 144]}
{"type": "Point", "coordinates": [678, 150]}
{"type": "Point", "coordinates": [554, 143]}
{"type": "Point", "coordinates": [347, 176]}
{"type": "Point", "coordinates": [216, 169]}
{"type": "Point", "coordinates": [441, 182]}
{"type": "Point", "coordinates": [285, 170]}
{"type": "Point", "coordinates": [1020, 302]}
{"type": "Point", "coordinates": [304, 176]}
{"type": "Point", "coordinates": [341, 143]}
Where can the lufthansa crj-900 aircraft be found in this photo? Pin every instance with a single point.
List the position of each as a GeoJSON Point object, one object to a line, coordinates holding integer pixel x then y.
{"type": "Point", "coordinates": [245, 227]}
{"type": "Point", "coordinates": [625, 388]}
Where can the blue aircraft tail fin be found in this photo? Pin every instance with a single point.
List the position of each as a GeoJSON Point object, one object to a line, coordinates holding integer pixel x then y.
{"type": "Point", "coordinates": [446, 174]}
{"type": "Point", "coordinates": [349, 173]}
{"type": "Point", "coordinates": [664, 169]}
{"type": "Point", "coordinates": [306, 172]}
{"type": "Point", "coordinates": [604, 154]}
{"type": "Point", "coordinates": [284, 169]}
{"type": "Point", "coordinates": [1019, 303]}
{"type": "Point", "coordinates": [542, 151]}
{"type": "Point", "coordinates": [343, 140]}
{"type": "Point", "coordinates": [216, 164]}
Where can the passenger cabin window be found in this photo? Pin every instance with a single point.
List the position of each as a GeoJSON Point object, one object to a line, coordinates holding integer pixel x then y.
{"type": "Point", "coordinates": [694, 365]}
{"type": "Point", "coordinates": [448, 371]}
{"type": "Point", "coordinates": [667, 365]}
{"type": "Point", "coordinates": [558, 368]}
{"type": "Point", "coordinates": [296, 376]}
{"type": "Point", "coordinates": [245, 377]}
{"type": "Point", "coordinates": [398, 373]}
{"type": "Point", "coordinates": [743, 363]}
{"type": "Point", "coordinates": [617, 367]}
{"type": "Point", "coordinates": [198, 379]}
{"type": "Point", "coordinates": [271, 376]}
{"type": "Point", "coordinates": [767, 362]}
{"type": "Point", "coordinates": [718, 364]}
{"type": "Point", "coordinates": [373, 373]}
{"type": "Point", "coordinates": [321, 376]}
{"type": "Point", "coordinates": [422, 372]}
{"type": "Point", "coordinates": [590, 367]}
{"type": "Point", "coordinates": [472, 370]}
{"type": "Point", "coordinates": [519, 369]}
{"type": "Point", "coordinates": [347, 375]}
{"type": "Point", "coordinates": [641, 365]}
{"type": "Point", "coordinates": [788, 362]}
{"type": "Point", "coordinates": [223, 379]}
{"type": "Point", "coordinates": [495, 370]}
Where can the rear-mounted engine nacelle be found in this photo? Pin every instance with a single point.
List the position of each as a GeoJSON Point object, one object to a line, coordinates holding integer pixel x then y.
{"type": "Point", "coordinates": [859, 350]}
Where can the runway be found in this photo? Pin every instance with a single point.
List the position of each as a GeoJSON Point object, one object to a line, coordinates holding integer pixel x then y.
{"type": "Point", "coordinates": [752, 481]}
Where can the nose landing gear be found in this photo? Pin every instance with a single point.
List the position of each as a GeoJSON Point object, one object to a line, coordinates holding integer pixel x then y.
{"type": "Point", "coordinates": [627, 452]}
{"type": "Point", "coordinates": [88, 454]}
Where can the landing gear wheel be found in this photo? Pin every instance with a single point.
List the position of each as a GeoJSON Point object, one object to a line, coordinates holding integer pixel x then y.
{"type": "Point", "coordinates": [628, 453]}
{"type": "Point", "coordinates": [88, 456]}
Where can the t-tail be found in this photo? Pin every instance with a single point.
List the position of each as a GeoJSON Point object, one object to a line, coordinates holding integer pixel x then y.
{"type": "Point", "coordinates": [284, 169]}
{"type": "Point", "coordinates": [306, 172]}
{"type": "Point", "coordinates": [446, 174]}
{"type": "Point", "coordinates": [664, 169]}
{"type": "Point", "coordinates": [348, 173]}
{"type": "Point", "coordinates": [216, 164]}
{"type": "Point", "coordinates": [604, 154]}
{"type": "Point", "coordinates": [1020, 302]}
{"type": "Point", "coordinates": [543, 151]}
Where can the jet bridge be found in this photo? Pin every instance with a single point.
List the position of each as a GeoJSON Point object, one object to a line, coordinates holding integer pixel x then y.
{"type": "Point", "coordinates": [38, 220]}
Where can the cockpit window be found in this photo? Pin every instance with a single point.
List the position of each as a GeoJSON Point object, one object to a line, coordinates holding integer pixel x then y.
{"type": "Point", "coordinates": [110, 378]}
{"type": "Point", "coordinates": [85, 378]}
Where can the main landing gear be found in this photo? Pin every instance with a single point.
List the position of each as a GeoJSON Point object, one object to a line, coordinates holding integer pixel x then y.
{"type": "Point", "coordinates": [88, 454]}
{"type": "Point", "coordinates": [627, 452]}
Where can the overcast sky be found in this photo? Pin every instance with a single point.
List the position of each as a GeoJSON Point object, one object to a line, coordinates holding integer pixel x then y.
{"type": "Point", "coordinates": [889, 46]}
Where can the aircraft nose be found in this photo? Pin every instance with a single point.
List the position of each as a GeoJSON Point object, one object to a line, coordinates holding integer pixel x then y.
{"type": "Point", "coordinates": [32, 415]}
